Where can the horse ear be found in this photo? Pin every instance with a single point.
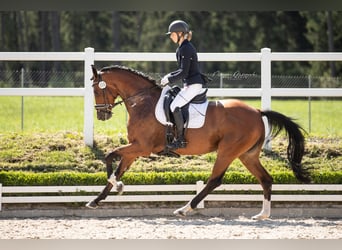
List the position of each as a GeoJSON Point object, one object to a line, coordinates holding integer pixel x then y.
{"type": "Point", "coordinates": [94, 72]}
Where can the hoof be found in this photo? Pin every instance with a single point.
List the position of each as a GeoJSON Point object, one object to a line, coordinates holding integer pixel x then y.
{"type": "Point", "coordinates": [183, 210]}
{"type": "Point", "coordinates": [92, 205]}
{"type": "Point", "coordinates": [179, 213]}
{"type": "Point", "coordinates": [120, 187]}
{"type": "Point", "coordinates": [260, 217]}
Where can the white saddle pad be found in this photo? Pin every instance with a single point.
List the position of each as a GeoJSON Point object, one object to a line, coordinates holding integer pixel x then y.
{"type": "Point", "coordinates": [196, 111]}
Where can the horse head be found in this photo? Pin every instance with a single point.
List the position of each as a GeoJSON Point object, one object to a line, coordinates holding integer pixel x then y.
{"type": "Point", "coordinates": [105, 95]}
{"type": "Point", "coordinates": [132, 86]}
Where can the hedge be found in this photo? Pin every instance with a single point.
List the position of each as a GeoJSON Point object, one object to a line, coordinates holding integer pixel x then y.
{"type": "Point", "coordinates": [17, 178]}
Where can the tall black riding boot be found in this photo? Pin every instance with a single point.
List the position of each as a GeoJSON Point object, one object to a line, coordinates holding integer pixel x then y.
{"type": "Point", "coordinates": [179, 141]}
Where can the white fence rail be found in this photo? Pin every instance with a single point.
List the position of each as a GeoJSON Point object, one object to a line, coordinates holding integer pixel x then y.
{"type": "Point", "coordinates": [67, 194]}
{"type": "Point", "coordinates": [265, 57]}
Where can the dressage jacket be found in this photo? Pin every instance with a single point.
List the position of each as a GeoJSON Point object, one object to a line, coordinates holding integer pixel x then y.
{"type": "Point", "coordinates": [188, 68]}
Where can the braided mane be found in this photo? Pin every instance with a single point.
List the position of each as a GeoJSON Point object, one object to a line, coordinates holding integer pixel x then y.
{"type": "Point", "coordinates": [136, 72]}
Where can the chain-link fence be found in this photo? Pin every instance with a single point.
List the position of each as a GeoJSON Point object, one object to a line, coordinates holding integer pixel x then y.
{"type": "Point", "coordinates": [239, 80]}
{"type": "Point", "coordinates": [46, 113]}
{"type": "Point", "coordinates": [64, 79]}
{"type": "Point", "coordinates": [41, 79]}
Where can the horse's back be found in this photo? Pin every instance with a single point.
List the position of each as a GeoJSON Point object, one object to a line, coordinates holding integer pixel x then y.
{"type": "Point", "coordinates": [234, 114]}
{"type": "Point", "coordinates": [234, 107]}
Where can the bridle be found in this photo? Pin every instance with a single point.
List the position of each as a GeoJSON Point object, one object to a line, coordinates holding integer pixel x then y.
{"type": "Point", "coordinates": [107, 107]}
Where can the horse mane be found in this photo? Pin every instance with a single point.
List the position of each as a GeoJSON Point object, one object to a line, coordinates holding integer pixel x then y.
{"type": "Point", "coordinates": [136, 72]}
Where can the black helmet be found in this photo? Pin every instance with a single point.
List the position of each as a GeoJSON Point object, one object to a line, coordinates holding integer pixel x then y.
{"type": "Point", "coordinates": [178, 26]}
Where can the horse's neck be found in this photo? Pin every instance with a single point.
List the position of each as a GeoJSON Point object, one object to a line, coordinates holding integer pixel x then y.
{"type": "Point", "coordinates": [129, 85]}
{"type": "Point", "coordinates": [141, 97]}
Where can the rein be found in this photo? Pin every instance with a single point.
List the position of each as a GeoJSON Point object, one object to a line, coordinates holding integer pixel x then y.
{"type": "Point", "coordinates": [107, 107]}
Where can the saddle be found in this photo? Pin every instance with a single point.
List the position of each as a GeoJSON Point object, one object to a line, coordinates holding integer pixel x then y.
{"type": "Point", "coordinates": [168, 99]}
{"type": "Point", "coordinates": [170, 96]}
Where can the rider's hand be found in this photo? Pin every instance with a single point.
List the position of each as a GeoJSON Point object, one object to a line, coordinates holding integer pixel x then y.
{"type": "Point", "coordinates": [164, 80]}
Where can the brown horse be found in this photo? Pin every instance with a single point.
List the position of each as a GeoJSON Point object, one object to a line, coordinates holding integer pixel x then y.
{"type": "Point", "coordinates": [231, 128]}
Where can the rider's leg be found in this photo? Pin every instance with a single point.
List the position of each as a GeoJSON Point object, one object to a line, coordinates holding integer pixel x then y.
{"type": "Point", "coordinates": [183, 97]}
{"type": "Point", "coordinates": [179, 142]}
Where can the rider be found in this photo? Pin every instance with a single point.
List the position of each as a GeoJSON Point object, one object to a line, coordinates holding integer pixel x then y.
{"type": "Point", "coordinates": [188, 71]}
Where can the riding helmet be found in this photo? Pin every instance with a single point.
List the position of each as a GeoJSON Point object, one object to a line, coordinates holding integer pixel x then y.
{"type": "Point", "coordinates": [178, 26]}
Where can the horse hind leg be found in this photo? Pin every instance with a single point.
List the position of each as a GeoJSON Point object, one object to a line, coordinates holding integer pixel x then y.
{"type": "Point", "coordinates": [210, 186]}
{"type": "Point", "coordinates": [213, 182]}
{"type": "Point", "coordinates": [252, 163]}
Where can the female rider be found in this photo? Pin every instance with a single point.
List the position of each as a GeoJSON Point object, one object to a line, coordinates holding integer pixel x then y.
{"type": "Point", "coordinates": [188, 71]}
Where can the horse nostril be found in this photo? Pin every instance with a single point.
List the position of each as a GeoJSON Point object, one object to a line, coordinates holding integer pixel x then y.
{"type": "Point", "coordinates": [104, 115]}
{"type": "Point", "coordinates": [108, 115]}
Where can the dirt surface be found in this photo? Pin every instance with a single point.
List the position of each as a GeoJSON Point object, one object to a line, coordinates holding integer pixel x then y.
{"type": "Point", "coordinates": [194, 227]}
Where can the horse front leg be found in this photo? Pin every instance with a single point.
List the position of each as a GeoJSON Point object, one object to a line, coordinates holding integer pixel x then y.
{"type": "Point", "coordinates": [111, 180]}
{"type": "Point", "coordinates": [111, 176]}
{"type": "Point", "coordinates": [109, 162]}
{"type": "Point", "coordinates": [127, 154]}
{"type": "Point", "coordinates": [115, 177]}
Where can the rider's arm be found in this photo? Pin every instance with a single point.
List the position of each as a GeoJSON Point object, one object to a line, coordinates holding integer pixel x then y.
{"type": "Point", "coordinates": [184, 66]}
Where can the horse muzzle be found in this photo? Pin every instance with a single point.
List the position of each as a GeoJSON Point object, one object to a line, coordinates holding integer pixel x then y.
{"type": "Point", "coordinates": [104, 111]}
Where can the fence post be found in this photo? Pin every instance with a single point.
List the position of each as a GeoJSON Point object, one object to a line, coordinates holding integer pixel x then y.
{"type": "Point", "coordinates": [199, 187]}
{"type": "Point", "coordinates": [309, 99]}
{"type": "Point", "coordinates": [0, 196]}
{"type": "Point", "coordinates": [88, 128]}
{"type": "Point", "coordinates": [221, 80]}
{"type": "Point", "coordinates": [22, 80]}
{"type": "Point", "coordinates": [266, 90]}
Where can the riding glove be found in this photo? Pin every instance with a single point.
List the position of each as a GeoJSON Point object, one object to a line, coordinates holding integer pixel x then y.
{"type": "Point", "coordinates": [165, 80]}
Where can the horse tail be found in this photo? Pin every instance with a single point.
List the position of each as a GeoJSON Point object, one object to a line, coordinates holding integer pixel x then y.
{"type": "Point", "coordinates": [295, 149]}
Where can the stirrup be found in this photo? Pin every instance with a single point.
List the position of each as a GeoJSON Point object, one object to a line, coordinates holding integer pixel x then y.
{"type": "Point", "coordinates": [179, 143]}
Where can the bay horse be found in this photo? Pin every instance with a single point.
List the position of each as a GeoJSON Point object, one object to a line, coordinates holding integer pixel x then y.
{"type": "Point", "coordinates": [231, 128]}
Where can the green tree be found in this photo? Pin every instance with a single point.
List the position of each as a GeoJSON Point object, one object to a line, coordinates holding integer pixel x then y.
{"type": "Point", "coordinates": [136, 31]}
{"type": "Point", "coordinates": [319, 36]}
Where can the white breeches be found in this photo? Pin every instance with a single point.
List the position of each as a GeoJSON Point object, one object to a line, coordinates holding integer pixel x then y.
{"type": "Point", "coordinates": [185, 95]}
